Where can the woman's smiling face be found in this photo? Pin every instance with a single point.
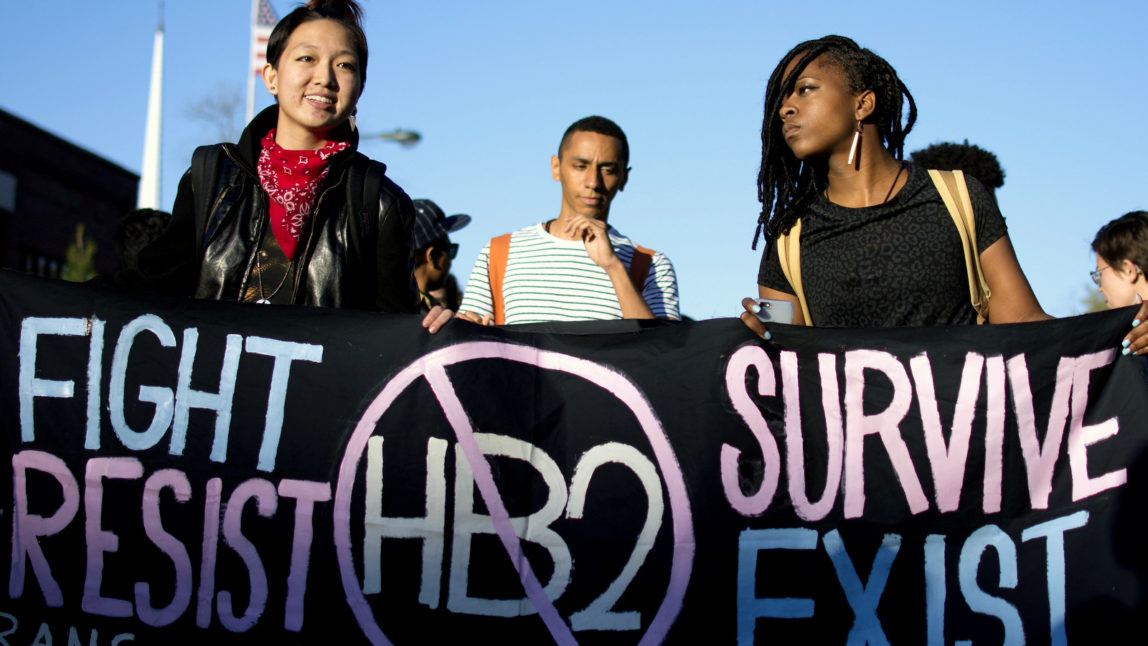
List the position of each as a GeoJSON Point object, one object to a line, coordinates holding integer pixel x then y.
{"type": "Point", "coordinates": [316, 83]}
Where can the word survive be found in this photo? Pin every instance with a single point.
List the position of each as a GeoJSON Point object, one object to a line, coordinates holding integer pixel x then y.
{"type": "Point", "coordinates": [847, 430]}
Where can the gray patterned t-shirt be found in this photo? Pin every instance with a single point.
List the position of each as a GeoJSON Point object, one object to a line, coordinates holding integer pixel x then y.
{"type": "Point", "coordinates": [895, 264]}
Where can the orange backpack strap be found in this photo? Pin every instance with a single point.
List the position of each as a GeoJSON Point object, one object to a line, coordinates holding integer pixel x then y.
{"type": "Point", "coordinates": [640, 267]}
{"type": "Point", "coordinates": [496, 271]}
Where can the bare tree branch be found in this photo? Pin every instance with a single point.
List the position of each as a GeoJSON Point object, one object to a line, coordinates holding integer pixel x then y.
{"type": "Point", "coordinates": [222, 110]}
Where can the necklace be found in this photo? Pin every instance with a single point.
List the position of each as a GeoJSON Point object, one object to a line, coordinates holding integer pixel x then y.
{"type": "Point", "coordinates": [546, 225]}
{"type": "Point", "coordinates": [265, 299]}
{"type": "Point", "coordinates": [889, 194]}
{"type": "Point", "coordinates": [896, 177]}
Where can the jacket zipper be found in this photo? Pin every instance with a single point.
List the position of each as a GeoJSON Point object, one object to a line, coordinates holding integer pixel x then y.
{"type": "Point", "coordinates": [263, 216]}
{"type": "Point", "coordinates": [311, 229]}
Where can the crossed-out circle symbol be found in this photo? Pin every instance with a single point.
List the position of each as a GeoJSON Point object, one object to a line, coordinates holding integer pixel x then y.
{"type": "Point", "coordinates": [432, 367]}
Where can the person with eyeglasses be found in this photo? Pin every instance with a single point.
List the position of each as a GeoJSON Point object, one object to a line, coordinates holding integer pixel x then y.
{"type": "Point", "coordinates": [433, 249]}
{"type": "Point", "coordinates": [1121, 248]}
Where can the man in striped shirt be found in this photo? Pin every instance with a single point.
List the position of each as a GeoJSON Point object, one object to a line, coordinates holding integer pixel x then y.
{"type": "Point", "coordinates": [575, 267]}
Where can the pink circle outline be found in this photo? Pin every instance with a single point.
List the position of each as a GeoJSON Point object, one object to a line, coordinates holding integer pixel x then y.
{"type": "Point", "coordinates": [607, 378]}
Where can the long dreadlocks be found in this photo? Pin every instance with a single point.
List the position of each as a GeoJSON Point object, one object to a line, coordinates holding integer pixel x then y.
{"type": "Point", "coordinates": [784, 182]}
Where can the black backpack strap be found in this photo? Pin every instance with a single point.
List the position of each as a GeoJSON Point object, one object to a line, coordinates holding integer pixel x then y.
{"type": "Point", "coordinates": [364, 185]}
{"type": "Point", "coordinates": [205, 165]}
{"type": "Point", "coordinates": [381, 234]}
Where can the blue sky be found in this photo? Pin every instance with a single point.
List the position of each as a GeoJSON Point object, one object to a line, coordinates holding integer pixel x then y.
{"type": "Point", "coordinates": [1058, 90]}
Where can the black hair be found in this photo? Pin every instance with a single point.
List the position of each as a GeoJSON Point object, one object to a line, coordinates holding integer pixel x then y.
{"type": "Point", "coordinates": [345, 12]}
{"type": "Point", "coordinates": [968, 158]}
{"type": "Point", "coordinates": [602, 126]}
{"type": "Point", "coordinates": [441, 243]}
{"type": "Point", "coordinates": [785, 182]}
{"type": "Point", "coordinates": [452, 297]}
{"type": "Point", "coordinates": [135, 231]}
{"type": "Point", "coordinates": [1126, 237]}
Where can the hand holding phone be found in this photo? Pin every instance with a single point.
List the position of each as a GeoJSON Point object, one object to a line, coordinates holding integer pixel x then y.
{"type": "Point", "coordinates": [774, 311]}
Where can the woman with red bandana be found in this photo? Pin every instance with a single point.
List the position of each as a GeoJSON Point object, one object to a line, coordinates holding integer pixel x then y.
{"type": "Point", "coordinates": [293, 214]}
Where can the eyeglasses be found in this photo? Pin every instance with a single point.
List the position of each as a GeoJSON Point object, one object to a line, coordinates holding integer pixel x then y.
{"type": "Point", "coordinates": [454, 251]}
{"type": "Point", "coordinates": [1095, 273]}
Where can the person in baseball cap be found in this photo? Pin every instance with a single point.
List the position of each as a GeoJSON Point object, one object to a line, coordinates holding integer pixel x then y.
{"type": "Point", "coordinates": [433, 248]}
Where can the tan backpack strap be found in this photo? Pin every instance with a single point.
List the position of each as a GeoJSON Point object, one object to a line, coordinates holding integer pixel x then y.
{"type": "Point", "coordinates": [496, 271]}
{"type": "Point", "coordinates": [640, 267]}
{"type": "Point", "coordinates": [955, 194]}
{"type": "Point", "coordinates": [789, 254]}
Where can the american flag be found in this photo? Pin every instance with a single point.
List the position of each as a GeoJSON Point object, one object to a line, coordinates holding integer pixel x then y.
{"type": "Point", "coordinates": [263, 22]}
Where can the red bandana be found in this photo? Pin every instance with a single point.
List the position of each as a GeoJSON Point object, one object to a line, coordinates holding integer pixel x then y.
{"type": "Point", "coordinates": [292, 178]}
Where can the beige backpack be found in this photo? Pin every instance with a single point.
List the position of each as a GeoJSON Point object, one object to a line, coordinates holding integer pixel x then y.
{"type": "Point", "coordinates": [955, 194]}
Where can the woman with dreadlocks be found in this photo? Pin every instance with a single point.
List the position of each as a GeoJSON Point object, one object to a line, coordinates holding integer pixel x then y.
{"type": "Point", "coordinates": [877, 246]}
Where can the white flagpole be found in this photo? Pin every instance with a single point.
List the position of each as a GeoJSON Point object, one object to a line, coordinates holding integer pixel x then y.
{"type": "Point", "coordinates": [250, 72]}
{"type": "Point", "coordinates": [148, 197]}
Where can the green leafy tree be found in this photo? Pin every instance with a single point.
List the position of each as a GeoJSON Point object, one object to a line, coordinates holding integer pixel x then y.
{"type": "Point", "coordinates": [80, 258]}
{"type": "Point", "coordinates": [1092, 301]}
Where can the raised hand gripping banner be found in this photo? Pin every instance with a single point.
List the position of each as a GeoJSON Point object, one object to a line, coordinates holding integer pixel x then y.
{"type": "Point", "coordinates": [197, 472]}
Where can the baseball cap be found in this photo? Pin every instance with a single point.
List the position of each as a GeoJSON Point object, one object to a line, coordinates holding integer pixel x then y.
{"type": "Point", "coordinates": [431, 224]}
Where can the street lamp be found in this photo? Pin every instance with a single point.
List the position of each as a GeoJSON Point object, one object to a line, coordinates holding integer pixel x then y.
{"type": "Point", "coordinates": [406, 138]}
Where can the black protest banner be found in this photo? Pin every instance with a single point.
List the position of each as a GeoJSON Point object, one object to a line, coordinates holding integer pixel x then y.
{"type": "Point", "coordinates": [190, 471]}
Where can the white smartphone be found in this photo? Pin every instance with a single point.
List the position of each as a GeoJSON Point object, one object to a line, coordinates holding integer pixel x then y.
{"type": "Point", "coordinates": [774, 311]}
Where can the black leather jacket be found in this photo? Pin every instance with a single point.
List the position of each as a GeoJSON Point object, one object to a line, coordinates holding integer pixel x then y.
{"type": "Point", "coordinates": [347, 260]}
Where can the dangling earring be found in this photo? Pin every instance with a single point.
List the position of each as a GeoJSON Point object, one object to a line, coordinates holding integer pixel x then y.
{"type": "Point", "coordinates": [351, 119]}
{"type": "Point", "coordinates": [855, 145]}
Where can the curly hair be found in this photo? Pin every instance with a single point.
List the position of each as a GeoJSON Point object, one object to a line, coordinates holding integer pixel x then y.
{"type": "Point", "coordinates": [784, 182]}
{"type": "Point", "coordinates": [970, 158]}
{"type": "Point", "coordinates": [344, 12]}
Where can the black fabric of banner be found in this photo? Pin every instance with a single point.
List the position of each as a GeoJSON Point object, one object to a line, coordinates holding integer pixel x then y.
{"type": "Point", "coordinates": [575, 483]}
